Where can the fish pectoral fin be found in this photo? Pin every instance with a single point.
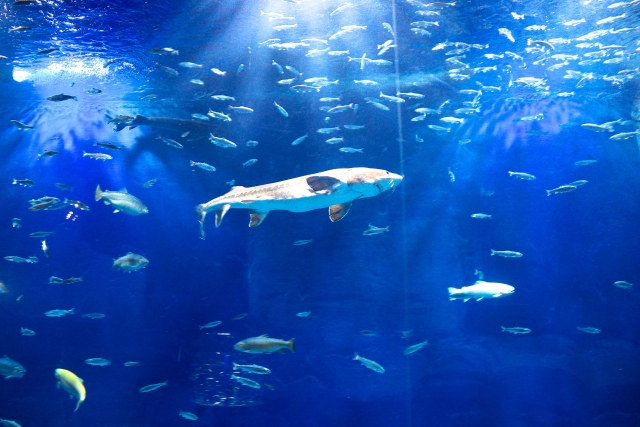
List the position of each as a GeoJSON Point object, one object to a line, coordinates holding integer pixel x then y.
{"type": "Point", "coordinates": [116, 211]}
{"type": "Point", "coordinates": [220, 213]}
{"type": "Point", "coordinates": [124, 190]}
{"type": "Point", "coordinates": [479, 299]}
{"type": "Point", "coordinates": [323, 184]}
{"type": "Point", "coordinates": [337, 212]}
{"type": "Point", "coordinates": [256, 217]}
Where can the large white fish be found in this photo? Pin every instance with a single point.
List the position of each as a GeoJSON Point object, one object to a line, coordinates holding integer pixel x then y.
{"type": "Point", "coordinates": [480, 290]}
{"type": "Point", "coordinates": [335, 189]}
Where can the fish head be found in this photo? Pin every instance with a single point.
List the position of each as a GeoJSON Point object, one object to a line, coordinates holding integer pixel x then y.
{"type": "Point", "coordinates": [371, 182]}
{"type": "Point", "coordinates": [506, 290]}
{"type": "Point", "coordinates": [18, 371]}
{"type": "Point", "coordinates": [241, 346]}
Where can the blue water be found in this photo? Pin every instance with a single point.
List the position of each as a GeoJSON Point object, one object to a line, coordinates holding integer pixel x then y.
{"type": "Point", "coordinates": [575, 245]}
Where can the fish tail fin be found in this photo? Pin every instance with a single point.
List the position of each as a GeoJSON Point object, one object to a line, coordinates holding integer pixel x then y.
{"type": "Point", "coordinates": [201, 211]}
{"type": "Point", "coordinates": [98, 193]}
{"type": "Point", "coordinates": [291, 345]}
{"type": "Point", "coordinates": [493, 252]}
{"type": "Point", "coordinates": [78, 405]}
{"type": "Point", "coordinates": [453, 292]}
{"type": "Point", "coordinates": [15, 181]}
{"type": "Point", "coordinates": [72, 311]}
{"type": "Point", "coordinates": [75, 98]}
{"type": "Point", "coordinates": [548, 192]}
{"type": "Point", "coordinates": [355, 356]}
{"type": "Point", "coordinates": [503, 328]}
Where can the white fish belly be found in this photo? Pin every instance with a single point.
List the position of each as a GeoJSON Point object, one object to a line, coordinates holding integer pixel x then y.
{"type": "Point", "coordinates": [298, 204]}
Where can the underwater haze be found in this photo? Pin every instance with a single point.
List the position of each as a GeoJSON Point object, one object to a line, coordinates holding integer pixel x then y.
{"type": "Point", "coordinates": [320, 213]}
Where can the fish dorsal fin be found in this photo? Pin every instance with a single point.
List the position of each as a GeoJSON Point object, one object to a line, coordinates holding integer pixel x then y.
{"type": "Point", "coordinates": [129, 253]}
{"type": "Point", "coordinates": [323, 184]}
{"type": "Point", "coordinates": [371, 226]}
{"type": "Point", "coordinates": [337, 212]}
{"type": "Point", "coordinates": [220, 213]}
{"type": "Point", "coordinates": [124, 190]}
{"type": "Point", "coordinates": [479, 282]}
{"type": "Point", "coordinates": [256, 217]}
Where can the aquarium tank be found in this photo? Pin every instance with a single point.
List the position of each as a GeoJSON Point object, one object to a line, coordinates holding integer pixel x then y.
{"type": "Point", "coordinates": [380, 213]}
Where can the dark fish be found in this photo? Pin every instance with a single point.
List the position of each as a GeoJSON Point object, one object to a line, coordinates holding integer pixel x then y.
{"type": "Point", "coordinates": [41, 206]}
{"type": "Point", "coordinates": [47, 153]}
{"type": "Point", "coordinates": [167, 70]}
{"type": "Point", "coordinates": [19, 28]}
{"type": "Point", "coordinates": [107, 145]}
{"type": "Point", "coordinates": [77, 204]}
{"type": "Point", "coordinates": [48, 50]}
{"type": "Point", "coordinates": [23, 2]}
{"type": "Point", "coordinates": [164, 51]}
{"type": "Point", "coordinates": [177, 125]}
{"type": "Point", "coordinates": [61, 97]}
{"type": "Point", "coordinates": [21, 125]}
{"type": "Point", "coordinates": [120, 119]}
{"type": "Point", "coordinates": [24, 182]}
{"type": "Point", "coordinates": [93, 90]}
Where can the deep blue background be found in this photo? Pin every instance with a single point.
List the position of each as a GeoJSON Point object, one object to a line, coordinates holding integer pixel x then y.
{"type": "Point", "coordinates": [575, 245]}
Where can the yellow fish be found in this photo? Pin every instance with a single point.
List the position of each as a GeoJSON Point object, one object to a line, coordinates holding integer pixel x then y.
{"type": "Point", "coordinates": [72, 385]}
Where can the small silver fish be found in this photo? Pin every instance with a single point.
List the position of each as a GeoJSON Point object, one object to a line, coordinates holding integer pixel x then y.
{"type": "Point", "coordinates": [415, 347]}
{"type": "Point", "coordinates": [372, 230]}
{"type": "Point", "coordinates": [98, 361]}
{"type": "Point", "coordinates": [369, 364]}
{"type": "Point", "coordinates": [188, 415]}
{"type": "Point", "coordinates": [506, 254]}
{"type": "Point", "coordinates": [153, 387]}
{"type": "Point", "coordinates": [623, 284]}
{"type": "Point", "coordinates": [280, 109]}
{"type": "Point", "coordinates": [249, 162]}
{"type": "Point", "coordinates": [203, 166]}
{"type": "Point", "coordinates": [522, 175]}
{"type": "Point", "coordinates": [300, 139]}
{"type": "Point", "coordinates": [516, 330]}
{"type": "Point", "coordinates": [211, 325]}
{"type": "Point", "coordinates": [254, 369]}
{"type": "Point", "coordinates": [150, 183]}
{"type": "Point", "coordinates": [27, 332]}
{"type": "Point", "coordinates": [302, 242]}
{"type": "Point", "coordinates": [589, 330]}
{"type": "Point", "coordinates": [246, 381]}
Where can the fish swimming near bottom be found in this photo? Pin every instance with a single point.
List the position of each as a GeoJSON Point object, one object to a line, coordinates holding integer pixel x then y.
{"type": "Point", "coordinates": [73, 385]}
{"type": "Point", "coordinates": [335, 189]}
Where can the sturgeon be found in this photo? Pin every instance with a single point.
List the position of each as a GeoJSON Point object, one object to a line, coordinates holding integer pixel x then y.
{"type": "Point", "coordinates": [335, 189]}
